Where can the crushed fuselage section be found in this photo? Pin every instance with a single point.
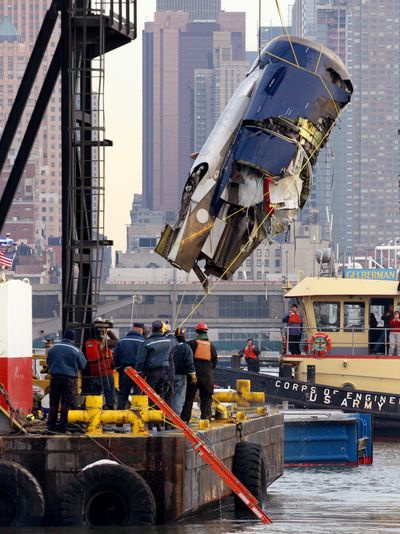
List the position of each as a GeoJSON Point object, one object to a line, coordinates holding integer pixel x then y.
{"type": "Point", "coordinates": [255, 170]}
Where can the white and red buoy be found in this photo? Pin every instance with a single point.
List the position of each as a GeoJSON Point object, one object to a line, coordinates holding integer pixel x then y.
{"type": "Point", "coordinates": [16, 344]}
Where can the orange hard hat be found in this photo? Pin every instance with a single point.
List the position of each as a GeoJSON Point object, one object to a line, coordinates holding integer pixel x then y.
{"type": "Point", "coordinates": [201, 326]}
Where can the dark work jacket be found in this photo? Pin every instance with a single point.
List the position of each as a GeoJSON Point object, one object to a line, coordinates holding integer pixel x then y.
{"type": "Point", "coordinates": [125, 353]}
{"type": "Point", "coordinates": [64, 359]}
{"type": "Point", "coordinates": [153, 353]}
{"type": "Point", "coordinates": [183, 358]}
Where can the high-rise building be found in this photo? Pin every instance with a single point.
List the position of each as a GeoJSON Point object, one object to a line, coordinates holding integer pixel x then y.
{"type": "Point", "coordinates": [197, 9]}
{"type": "Point", "coordinates": [183, 63]}
{"type": "Point", "coordinates": [267, 33]}
{"type": "Point", "coordinates": [325, 27]}
{"type": "Point", "coordinates": [366, 35]}
{"type": "Point", "coordinates": [20, 22]}
{"type": "Point", "coordinates": [213, 86]}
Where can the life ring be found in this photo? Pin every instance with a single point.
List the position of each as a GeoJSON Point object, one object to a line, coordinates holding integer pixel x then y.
{"type": "Point", "coordinates": [320, 344]}
{"type": "Point", "coordinates": [21, 497]}
{"type": "Point", "coordinates": [249, 467]}
{"type": "Point", "coordinates": [107, 493]}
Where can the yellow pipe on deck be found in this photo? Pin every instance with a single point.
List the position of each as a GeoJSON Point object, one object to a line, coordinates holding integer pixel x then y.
{"type": "Point", "coordinates": [94, 416]}
{"type": "Point", "coordinates": [242, 396]}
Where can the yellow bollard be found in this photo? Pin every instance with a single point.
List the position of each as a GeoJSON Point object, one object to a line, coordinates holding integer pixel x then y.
{"type": "Point", "coordinates": [243, 386]}
{"type": "Point", "coordinates": [242, 396]}
{"type": "Point", "coordinates": [204, 424]}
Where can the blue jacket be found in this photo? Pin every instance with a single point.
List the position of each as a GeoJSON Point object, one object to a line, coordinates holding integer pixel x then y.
{"type": "Point", "coordinates": [153, 353]}
{"type": "Point", "coordinates": [183, 358]}
{"type": "Point", "coordinates": [125, 353]}
{"type": "Point", "coordinates": [65, 359]}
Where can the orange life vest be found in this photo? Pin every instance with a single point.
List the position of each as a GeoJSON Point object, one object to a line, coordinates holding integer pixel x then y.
{"type": "Point", "coordinates": [249, 353]}
{"type": "Point", "coordinates": [203, 350]}
{"type": "Point", "coordinates": [294, 318]}
{"type": "Point", "coordinates": [100, 360]}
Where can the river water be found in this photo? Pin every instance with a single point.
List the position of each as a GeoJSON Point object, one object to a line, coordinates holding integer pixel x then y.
{"type": "Point", "coordinates": [358, 500]}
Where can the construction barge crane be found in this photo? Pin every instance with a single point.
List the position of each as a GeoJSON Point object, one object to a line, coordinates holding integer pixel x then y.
{"type": "Point", "coordinates": [89, 29]}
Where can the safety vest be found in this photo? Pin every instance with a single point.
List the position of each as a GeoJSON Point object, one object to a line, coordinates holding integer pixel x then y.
{"type": "Point", "coordinates": [249, 353]}
{"type": "Point", "coordinates": [203, 350]}
{"type": "Point", "coordinates": [100, 360]}
{"type": "Point", "coordinates": [294, 318]}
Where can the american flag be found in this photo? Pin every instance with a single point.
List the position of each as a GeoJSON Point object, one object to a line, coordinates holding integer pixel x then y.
{"type": "Point", "coordinates": [5, 261]}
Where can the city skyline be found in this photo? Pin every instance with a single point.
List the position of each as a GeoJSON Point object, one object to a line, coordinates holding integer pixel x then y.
{"type": "Point", "coordinates": [364, 226]}
{"type": "Point", "coordinates": [186, 85]}
{"type": "Point", "coordinates": [365, 187]}
{"type": "Point", "coordinates": [124, 160]}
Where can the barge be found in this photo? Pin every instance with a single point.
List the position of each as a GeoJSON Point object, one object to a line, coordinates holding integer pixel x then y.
{"type": "Point", "coordinates": [327, 438]}
{"type": "Point", "coordinates": [172, 481]}
{"type": "Point", "coordinates": [106, 478]}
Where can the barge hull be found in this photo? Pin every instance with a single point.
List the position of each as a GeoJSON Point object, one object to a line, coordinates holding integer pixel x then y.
{"type": "Point", "coordinates": [384, 407]}
{"type": "Point", "coordinates": [180, 481]}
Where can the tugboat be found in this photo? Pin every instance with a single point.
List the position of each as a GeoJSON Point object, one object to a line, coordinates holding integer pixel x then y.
{"type": "Point", "coordinates": [346, 342]}
{"type": "Point", "coordinates": [345, 360]}
{"type": "Point", "coordinates": [345, 338]}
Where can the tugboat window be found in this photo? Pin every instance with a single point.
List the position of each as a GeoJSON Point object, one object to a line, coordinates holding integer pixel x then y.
{"type": "Point", "coordinates": [354, 316]}
{"type": "Point", "coordinates": [327, 316]}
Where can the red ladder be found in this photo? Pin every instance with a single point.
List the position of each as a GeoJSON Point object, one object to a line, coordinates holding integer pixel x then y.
{"type": "Point", "coordinates": [201, 448]}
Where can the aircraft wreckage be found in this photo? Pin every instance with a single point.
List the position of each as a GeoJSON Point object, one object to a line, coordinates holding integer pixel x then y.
{"type": "Point", "coordinates": [254, 171]}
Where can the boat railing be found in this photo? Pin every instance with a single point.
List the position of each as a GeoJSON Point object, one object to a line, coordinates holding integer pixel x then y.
{"type": "Point", "coordinates": [376, 342]}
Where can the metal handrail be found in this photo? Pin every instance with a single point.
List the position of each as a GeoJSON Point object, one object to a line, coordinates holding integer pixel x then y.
{"type": "Point", "coordinates": [381, 341]}
{"type": "Point", "coordinates": [122, 12]}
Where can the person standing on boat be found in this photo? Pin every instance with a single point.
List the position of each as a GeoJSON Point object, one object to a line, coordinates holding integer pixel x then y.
{"type": "Point", "coordinates": [205, 360]}
{"type": "Point", "coordinates": [125, 355]}
{"type": "Point", "coordinates": [395, 334]}
{"type": "Point", "coordinates": [64, 361]}
{"type": "Point", "coordinates": [295, 325]}
{"type": "Point", "coordinates": [184, 368]}
{"type": "Point", "coordinates": [153, 359]}
{"type": "Point", "coordinates": [251, 354]}
{"type": "Point", "coordinates": [386, 318]}
{"type": "Point", "coordinates": [101, 363]}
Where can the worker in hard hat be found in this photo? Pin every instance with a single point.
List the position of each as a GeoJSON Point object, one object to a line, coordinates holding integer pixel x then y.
{"type": "Point", "coordinates": [153, 358]}
{"type": "Point", "coordinates": [167, 331]}
{"type": "Point", "coordinates": [169, 387]}
{"type": "Point", "coordinates": [98, 350]}
{"type": "Point", "coordinates": [184, 368]}
{"type": "Point", "coordinates": [205, 359]}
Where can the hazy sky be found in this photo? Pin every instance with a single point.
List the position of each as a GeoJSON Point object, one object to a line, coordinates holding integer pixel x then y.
{"type": "Point", "coordinates": [123, 92]}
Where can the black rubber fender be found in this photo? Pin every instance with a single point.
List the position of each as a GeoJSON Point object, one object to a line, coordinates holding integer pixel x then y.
{"type": "Point", "coordinates": [21, 498]}
{"type": "Point", "coordinates": [249, 467]}
{"type": "Point", "coordinates": [107, 493]}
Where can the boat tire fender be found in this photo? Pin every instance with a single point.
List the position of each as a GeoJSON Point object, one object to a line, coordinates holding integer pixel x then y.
{"type": "Point", "coordinates": [249, 467]}
{"type": "Point", "coordinates": [108, 494]}
{"type": "Point", "coordinates": [21, 498]}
